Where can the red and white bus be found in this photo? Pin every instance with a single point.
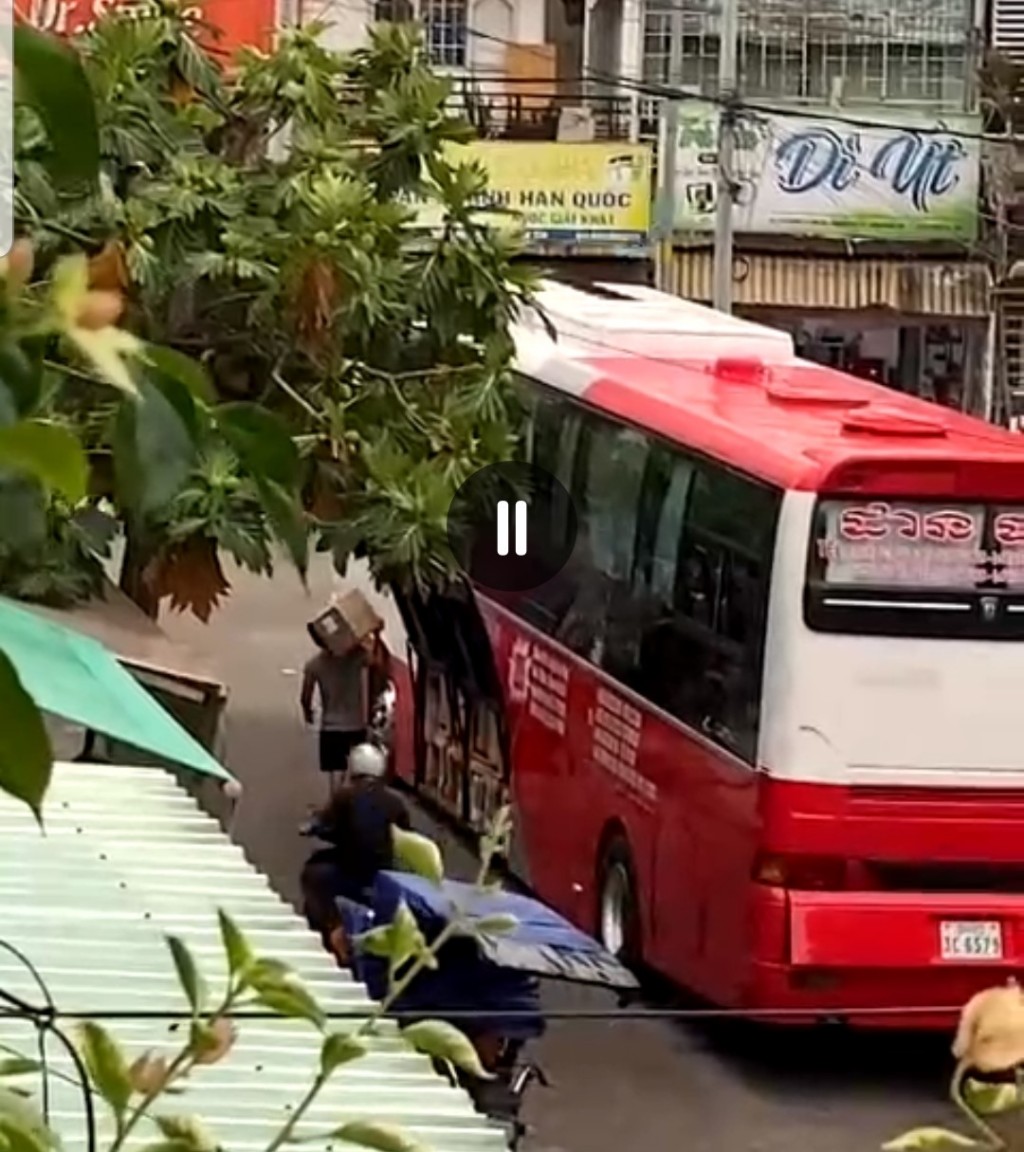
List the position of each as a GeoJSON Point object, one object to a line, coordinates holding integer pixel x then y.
{"type": "Point", "coordinates": [760, 733]}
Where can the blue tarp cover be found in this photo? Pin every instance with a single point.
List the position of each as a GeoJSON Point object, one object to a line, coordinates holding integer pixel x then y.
{"type": "Point", "coordinates": [543, 942]}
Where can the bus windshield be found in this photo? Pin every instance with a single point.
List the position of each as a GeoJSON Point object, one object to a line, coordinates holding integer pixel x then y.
{"type": "Point", "coordinates": [912, 567]}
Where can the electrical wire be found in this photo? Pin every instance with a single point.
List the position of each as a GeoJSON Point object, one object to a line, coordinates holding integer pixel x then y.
{"type": "Point", "coordinates": [809, 1015]}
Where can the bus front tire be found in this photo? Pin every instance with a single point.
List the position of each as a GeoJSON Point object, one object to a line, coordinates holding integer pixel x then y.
{"type": "Point", "coordinates": [618, 905]}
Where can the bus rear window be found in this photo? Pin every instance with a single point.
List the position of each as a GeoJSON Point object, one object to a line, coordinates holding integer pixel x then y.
{"type": "Point", "coordinates": [910, 567]}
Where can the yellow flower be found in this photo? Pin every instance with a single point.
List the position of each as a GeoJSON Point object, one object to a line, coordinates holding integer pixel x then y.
{"type": "Point", "coordinates": [990, 1037]}
{"type": "Point", "coordinates": [87, 320]}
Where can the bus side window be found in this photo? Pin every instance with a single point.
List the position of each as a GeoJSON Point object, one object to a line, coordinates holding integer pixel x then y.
{"type": "Point", "coordinates": [608, 472]}
{"type": "Point", "coordinates": [551, 435]}
{"type": "Point", "coordinates": [724, 570]}
{"type": "Point", "coordinates": [664, 649]}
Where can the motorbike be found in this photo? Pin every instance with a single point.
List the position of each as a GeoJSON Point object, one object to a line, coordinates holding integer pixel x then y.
{"type": "Point", "coordinates": [487, 982]}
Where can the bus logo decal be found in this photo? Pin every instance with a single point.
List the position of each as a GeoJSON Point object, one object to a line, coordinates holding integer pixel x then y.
{"type": "Point", "coordinates": [541, 681]}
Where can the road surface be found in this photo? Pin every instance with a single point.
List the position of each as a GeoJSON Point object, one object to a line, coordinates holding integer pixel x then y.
{"type": "Point", "coordinates": [618, 1085]}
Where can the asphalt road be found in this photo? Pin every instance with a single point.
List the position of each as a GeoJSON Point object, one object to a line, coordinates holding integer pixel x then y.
{"type": "Point", "coordinates": [617, 1085]}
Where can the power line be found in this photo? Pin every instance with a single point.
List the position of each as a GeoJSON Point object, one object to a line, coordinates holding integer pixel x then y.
{"type": "Point", "coordinates": [809, 1015]}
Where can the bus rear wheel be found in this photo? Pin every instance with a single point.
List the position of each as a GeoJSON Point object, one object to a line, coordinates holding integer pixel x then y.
{"type": "Point", "coordinates": [618, 908]}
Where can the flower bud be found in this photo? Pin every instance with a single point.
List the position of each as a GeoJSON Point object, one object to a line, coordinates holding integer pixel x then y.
{"type": "Point", "coordinates": [99, 309]}
{"type": "Point", "coordinates": [149, 1074]}
{"type": "Point", "coordinates": [19, 264]}
{"type": "Point", "coordinates": [211, 1042]}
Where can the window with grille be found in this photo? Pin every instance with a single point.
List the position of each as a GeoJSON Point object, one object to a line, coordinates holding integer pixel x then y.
{"type": "Point", "coordinates": [393, 11]}
{"type": "Point", "coordinates": [863, 51]}
{"type": "Point", "coordinates": [445, 26]}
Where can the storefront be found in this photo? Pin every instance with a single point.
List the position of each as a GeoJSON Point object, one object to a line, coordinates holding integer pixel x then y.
{"type": "Point", "coordinates": [920, 326]}
{"type": "Point", "coordinates": [852, 235]}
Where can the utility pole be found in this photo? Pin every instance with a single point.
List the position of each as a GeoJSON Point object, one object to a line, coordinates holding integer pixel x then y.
{"type": "Point", "coordinates": [668, 152]}
{"type": "Point", "coordinates": [728, 29]}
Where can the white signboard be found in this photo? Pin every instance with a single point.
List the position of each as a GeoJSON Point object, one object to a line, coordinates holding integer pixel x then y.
{"type": "Point", "coordinates": [816, 175]}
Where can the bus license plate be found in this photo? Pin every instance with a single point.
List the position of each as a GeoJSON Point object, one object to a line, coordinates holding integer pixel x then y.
{"type": "Point", "coordinates": [971, 940]}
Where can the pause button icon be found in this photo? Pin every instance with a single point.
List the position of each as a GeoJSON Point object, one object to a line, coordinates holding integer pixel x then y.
{"type": "Point", "coordinates": [520, 528]}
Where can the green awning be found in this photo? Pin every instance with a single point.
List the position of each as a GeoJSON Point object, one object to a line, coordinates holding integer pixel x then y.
{"type": "Point", "coordinates": [78, 679]}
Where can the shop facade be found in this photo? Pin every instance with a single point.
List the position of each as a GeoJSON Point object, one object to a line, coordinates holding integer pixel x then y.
{"type": "Point", "coordinates": [857, 234]}
{"type": "Point", "coordinates": [921, 327]}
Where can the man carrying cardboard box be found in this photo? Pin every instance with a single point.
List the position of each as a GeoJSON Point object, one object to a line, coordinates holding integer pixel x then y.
{"type": "Point", "coordinates": [347, 634]}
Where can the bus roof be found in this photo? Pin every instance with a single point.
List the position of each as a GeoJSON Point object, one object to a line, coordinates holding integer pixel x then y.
{"type": "Point", "coordinates": [736, 391]}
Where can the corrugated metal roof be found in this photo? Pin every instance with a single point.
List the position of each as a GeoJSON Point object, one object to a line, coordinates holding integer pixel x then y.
{"type": "Point", "coordinates": [811, 282]}
{"type": "Point", "coordinates": [128, 857]}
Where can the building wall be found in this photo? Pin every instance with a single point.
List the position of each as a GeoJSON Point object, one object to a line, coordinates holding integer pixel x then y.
{"type": "Point", "coordinates": [840, 52]}
{"type": "Point", "coordinates": [489, 25]}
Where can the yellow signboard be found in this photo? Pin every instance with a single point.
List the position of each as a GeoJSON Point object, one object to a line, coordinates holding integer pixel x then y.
{"type": "Point", "coordinates": [571, 194]}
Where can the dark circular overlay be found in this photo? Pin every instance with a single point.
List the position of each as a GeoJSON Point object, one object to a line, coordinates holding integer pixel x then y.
{"type": "Point", "coordinates": [544, 531]}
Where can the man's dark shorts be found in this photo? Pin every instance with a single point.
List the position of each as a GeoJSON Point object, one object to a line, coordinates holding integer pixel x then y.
{"type": "Point", "coordinates": [335, 747]}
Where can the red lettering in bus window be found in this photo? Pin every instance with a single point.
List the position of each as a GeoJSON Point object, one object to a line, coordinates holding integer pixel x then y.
{"type": "Point", "coordinates": [949, 526]}
{"type": "Point", "coordinates": [907, 523]}
{"type": "Point", "coordinates": [1009, 529]}
{"type": "Point", "coordinates": [870, 522]}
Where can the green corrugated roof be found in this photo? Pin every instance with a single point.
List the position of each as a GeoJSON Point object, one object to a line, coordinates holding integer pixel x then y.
{"type": "Point", "coordinates": [77, 678]}
{"type": "Point", "coordinates": [127, 857]}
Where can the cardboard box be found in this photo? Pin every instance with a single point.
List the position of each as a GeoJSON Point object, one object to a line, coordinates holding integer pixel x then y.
{"type": "Point", "coordinates": [345, 622]}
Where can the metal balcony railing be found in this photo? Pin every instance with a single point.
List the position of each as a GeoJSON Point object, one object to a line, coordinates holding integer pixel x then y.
{"type": "Point", "coordinates": [503, 108]}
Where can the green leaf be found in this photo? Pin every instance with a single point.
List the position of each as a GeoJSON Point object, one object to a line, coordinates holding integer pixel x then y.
{"type": "Point", "coordinates": [380, 1137]}
{"type": "Point", "coordinates": [291, 1000]}
{"type": "Point", "coordinates": [21, 378]}
{"type": "Point", "coordinates": [374, 942]}
{"type": "Point", "coordinates": [239, 953]}
{"type": "Point", "coordinates": [338, 1049]}
{"type": "Point", "coordinates": [19, 1066]}
{"type": "Point", "coordinates": [406, 936]}
{"type": "Point", "coordinates": [154, 450]}
{"type": "Point", "coordinates": [501, 924]}
{"type": "Point", "coordinates": [107, 1067]}
{"type": "Point", "coordinates": [187, 1131]}
{"type": "Point", "coordinates": [49, 453]}
{"type": "Point", "coordinates": [278, 989]}
{"type": "Point", "coordinates": [261, 441]}
{"type": "Point", "coordinates": [288, 522]}
{"type": "Point", "coordinates": [192, 983]}
{"type": "Point", "coordinates": [22, 1128]}
{"type": "Point", "coordinates": [23, 508]}
{"type": "Point", "coordinates": [417, 854]}
{"type": "Point", "coordinates": [268, 972]}
{"type": "Point", "coordinates": [175, 365]}
{"type": "Point", "coordinates": [167, 451]}
{"type": "Point", "coordinates": [443, 1041]}
{"type": "Point", "coordinates": [50, 77]}
{"type": "Point", "coordinates": [925, 1139]}
{"type": "Point", "coordinates": [180, 399]}
{"type": "Point", "coordinates": [991, 1099]}
{"type": "Point", "coordinates": [26, 759]}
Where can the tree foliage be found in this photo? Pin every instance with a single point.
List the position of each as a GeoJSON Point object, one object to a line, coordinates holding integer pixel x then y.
{"type": "Point", "coordinates": [325, 367]}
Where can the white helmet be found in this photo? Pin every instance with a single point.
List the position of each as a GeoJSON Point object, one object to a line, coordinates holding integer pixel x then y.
{"type": "Point", "coordinates": [367, 760]}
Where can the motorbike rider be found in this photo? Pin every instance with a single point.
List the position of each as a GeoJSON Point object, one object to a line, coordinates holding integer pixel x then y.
{"type": "Point", "coordinates": [356, 823]}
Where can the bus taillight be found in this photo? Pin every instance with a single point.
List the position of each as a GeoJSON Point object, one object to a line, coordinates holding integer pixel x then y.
{"type": "Point", "coordinates": [804, 873]}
